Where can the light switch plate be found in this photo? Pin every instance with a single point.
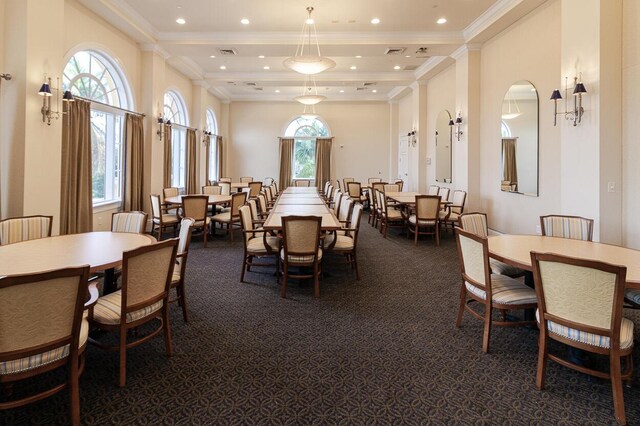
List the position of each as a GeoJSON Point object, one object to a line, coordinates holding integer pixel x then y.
{"type": "Point", "coordinates": [428, 161]}
{"type": "Point", "coordinates": [611, 187]}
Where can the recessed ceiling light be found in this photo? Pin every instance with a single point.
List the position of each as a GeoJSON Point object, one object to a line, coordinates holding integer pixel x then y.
{"type": "Point", "coordinates": [277, 91]}
{"type": "Point", "coordinates": [442, 21]}
{"type": "Point", "coordinates": [212, 56]}
{"type": "Point", "coordinates": [353, 67]}
{"type": "Point", "coordinates": [358, 56]}
{"type": "Point", "coordinates": [222, 67]}
{"type": "Point", "coordinates": [181, 21]}
{"type": "Point", "coordinates": [341, 91]}
{"type": "Point", "coordinates": [375, 21]}
{"type": "Point", "coordinates": [407, 56]}
{"type": "Point", "coordinates": [397, 67]}
{"type": "Point", "coordinates": [309, 21]}
{"type": "Point", "coordinates": [179, 7]}
{"type": "Point", "coordinates": [244, 21]}
{"type": "Point", "coordinates": [261, 56]}
{"type": "Point", "coordinates": [266, 67]}
{"type": "Point", "coordinates": [374, 91]}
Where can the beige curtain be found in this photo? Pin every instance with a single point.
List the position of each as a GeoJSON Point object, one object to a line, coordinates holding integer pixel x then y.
{"type": "Point", "coordinates": [509, 168]}
{"type": "Point", "coordinates": [166, 181]}
{"type": "Point", "coordinates": [134, 163]}
{"type": "Point", "coordinates": [219, 155]}
{"type": "Point", "coordinates": [192, 179]}
{"type": "Point", "coordinates": [286, 157]}
{"type": "Point", "coordinates": [207, 160]}
{"type": "Point", "coordinates": [323, 161]}
{"type": "Point", "coordinates": [76, 194]}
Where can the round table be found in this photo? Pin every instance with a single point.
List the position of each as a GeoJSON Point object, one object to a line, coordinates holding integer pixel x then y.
{"type": "Point", "coordinates": [99, 250]}
{"type": "Point", "coordinates": [515, 250]}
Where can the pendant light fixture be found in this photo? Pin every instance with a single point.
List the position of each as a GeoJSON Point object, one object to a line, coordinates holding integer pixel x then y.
{"type": "Point", "coordinates": [510, 114]}
{"type": "Point", "coordinates": [310, 92]}
{"type": "Point", "coordinates": [305, 61]}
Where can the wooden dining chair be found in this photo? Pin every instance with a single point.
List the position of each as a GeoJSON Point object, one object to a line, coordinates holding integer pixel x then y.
{"type": "Point", "coordinates": [433, 190]}
{"type": "Point", "coordinates": [17, 229]}
{"type": "Point", "coordinates": [225, 188]}
{"type": "Point", "coordinates": [303, 183]}
{"type": "Point", "coordinates": [180, 267]}
{"type": "Point", "coordinates": [42, 329]}
{"type": "Point", "coordinates": [146, 280]}
{"type": "Point", "coordinates": [166, 193]}
{"type": "Point", "coordinates": [374, 180]}
{"type": "Point", "coordinates": [231, 217]}
{"type": "Point", "coordinates": [130, 222]}
{"type": "Point", "coordinates": [225, 179]}
{"type": "Point", "coordinates": [354, 189]}
{"type": "Point", "coordinates": [426, 217]}
{"type": "Point", "coordinates": [161, 221]}
{"type": "Point", "coordinates": [389, 215]}
{"type": "Point", "coordinates": [212, 190]}
{"type": "Point", "coordinates": [494, 291]}
{"type": "Point", "coordinates": [451, 213]}
{"type": "Point", "coordinates": [257, 243]}
{"type": "Point", "coordinates": [573, 227]}
{"type": "Point", "coordinates": [580, 305]}
{"type": "Point", "coordinates": [345, 243]}
{"type": "Point", "coordinates": [196, 207]}
{"type": "Point", "coordinates": [375, 207]}
{"type": "Point", "coordinates": [254, 189]}
{"type": "Point", "coordinates": [400, 184]}
{"type": "Point", "coordinates": [246, 179]}
{"type": "Point", "coordinates": [300, 248]}
{"type": "Point", "coordinates": [345, 182]}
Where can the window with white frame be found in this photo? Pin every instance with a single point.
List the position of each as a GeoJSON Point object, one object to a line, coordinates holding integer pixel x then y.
{"type": "Point", "coordinates": [305, 131]}
{"type": "Point", "coordinates": [95, 76]}
{"type": "Point", "coordinates": [211, 126]}
{"type": "Point", "coordinates": [175, 111]}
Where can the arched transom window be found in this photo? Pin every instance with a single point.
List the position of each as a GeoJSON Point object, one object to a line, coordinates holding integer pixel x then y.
{"type": "Point", "coordinates": [307, 127]}
{"type": "Point", "coordinates": [174, 109]}
{"type": "Point", "coordinates": [211, 125]}
{"type": "Point", "coordinates": [94, 76]}
{"type": "Point", "coordinates": [305, 131]}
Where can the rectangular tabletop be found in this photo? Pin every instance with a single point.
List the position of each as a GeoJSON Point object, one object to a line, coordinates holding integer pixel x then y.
{"type": "Point", "coordinates": [237, 185]}
{"type": "Point", "coordinates": [213, 199]}
{"type": "Point", "coordinates": [403, 197]}
{"type": "Point", "coordinates": [274, 221]}
{"type": "Point", "coordinates": [301, 209]}
{"type": "Point", "coordinates": [300, 201]}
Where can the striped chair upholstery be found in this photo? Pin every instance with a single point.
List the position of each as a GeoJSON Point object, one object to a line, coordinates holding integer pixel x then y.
{"type": "Point", "coordinates": [573, 227]}
{"type": "Point", "coordinates": [131, 222]}
{"type": "Point", "coordinates": [17, 229]}
{"type": "Point", "coordinates": [301, 247]}
{"type": "Point", "coordinates": [246, 179]}
{"type": "Point", "coordinates": [109, 308]}
{"type": "Point", "coordinates": [633, 296]}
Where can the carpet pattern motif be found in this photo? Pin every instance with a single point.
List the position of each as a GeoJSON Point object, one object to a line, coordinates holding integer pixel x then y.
{"type": "Point", "coordinates": [383, 350]}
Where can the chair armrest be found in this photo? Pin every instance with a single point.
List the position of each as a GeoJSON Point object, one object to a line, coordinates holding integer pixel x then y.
{"type": "Point", "coordinates": [94, 295]}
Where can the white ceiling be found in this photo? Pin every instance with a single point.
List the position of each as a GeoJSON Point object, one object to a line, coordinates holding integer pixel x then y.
{"type": "Point", "coordinates": [344, 31]}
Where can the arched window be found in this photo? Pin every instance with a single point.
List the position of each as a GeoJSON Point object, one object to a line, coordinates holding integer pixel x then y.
{"type": "Point", "coordinates": [211, 126]}
{"type": "Point", "coordinates": [95, 76]}
{"type": "Point", "coordinates": [176, 112]}
{"type": "Point", "coordinates": [505, 130]}
{"type": "Point", "coordinates": [305, 131]}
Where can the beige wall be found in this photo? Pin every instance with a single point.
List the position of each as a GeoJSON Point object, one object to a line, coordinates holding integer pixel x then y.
{"type": "Point", "coordinates": [360, 147]}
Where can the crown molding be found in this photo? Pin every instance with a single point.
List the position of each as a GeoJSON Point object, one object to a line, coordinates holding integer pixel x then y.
{"type": "Point", "coordinates": [489, 17]}
{"type": "Point", "coordinates": [200, 83]}
{"type": "Point", "coordinates": [152, 47]}
{"type": "Point", "coordinates": [220, 93]}
{"type": "Point", "coordinates": [187, 67]}
{"type": "Point", "coordinates": [395, 77]}
{"type": "Point", "coordinates": [122, 16]}
{"type": "Point", "coordinates": [398, 92]}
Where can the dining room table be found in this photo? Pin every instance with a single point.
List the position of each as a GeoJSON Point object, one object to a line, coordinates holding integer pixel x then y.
{"type": "Point", "coordinates": [301, 201]}
{"type": "Point", "coordinates": [101, 250]}
{"type": "Point", "coordinates": [214, 199]}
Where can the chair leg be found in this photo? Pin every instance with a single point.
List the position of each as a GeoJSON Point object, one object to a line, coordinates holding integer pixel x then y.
{"type": "Point", "coordinates": [283, 290]}
{"type": "Point", "coordinates": [205, 231]}
{"type": "Point", "coordinates": [167, 330]}
{"type": "Point", "coordinates": [183, 303]}
{"type": "Point", "coordinates": [74, 392]}
{"type": "Point", "coordinates": [542, 361]}
{"type": "Point", "coordinates": [616, 386]}
{"type": "Point", "coordinates": [123, 357]}
{"type": "Point", "coordinates": [244, 266]}
{"type": "Point", "coordinates": [316, 283]}
{"type": "Point", "coordinates": [231, 230]}
{"type": "Point", "coordinates": [415, 234]}
{"type": "Point", "coordinates": [487, 328]}
{"type": "Point", "coordinates": [463, 300]}
{"type": "Point", "coordinates": [355, 264]}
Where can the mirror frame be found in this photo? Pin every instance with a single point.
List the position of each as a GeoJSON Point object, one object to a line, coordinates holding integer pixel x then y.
{"type": "Point", "coordinates": [450, 130]}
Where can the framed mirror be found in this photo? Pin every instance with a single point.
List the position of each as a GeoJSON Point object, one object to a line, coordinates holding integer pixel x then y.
{"type": "Point", "coordinates": [519, 127]}
{"type": "Point", "coordinates": [443, 147]}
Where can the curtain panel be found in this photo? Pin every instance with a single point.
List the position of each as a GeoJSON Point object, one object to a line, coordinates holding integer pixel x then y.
{"type": "Point", "coordinates": [192, 179]}
{"type": "Point", "coordinates": [509, 168]}
{"type": "Point", "coordinates": [76, 193]}
{"type": "Point", "coordinates": [323, 161]}
{"type": "Point", "coordinates": [166, 177]}
{"type": "Point", "coordinates": [286, 158]}
{"type": "Point", "coordinates": [219, 155]}
{"type": "Point", "coordinates": [134, 163]}
{"type": "Point", "coordinates": [207, 159]}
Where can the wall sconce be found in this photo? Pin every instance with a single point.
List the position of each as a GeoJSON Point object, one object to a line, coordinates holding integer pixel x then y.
{"type": "Point", "coordinates": [204, 136]}
{"type": "Point", "coordinates": [578, 111]}
{"type": "Point", "coordinates": [46, 93]}
{"type": "Point", "coordinates": [457, 123]}
{"type": "Point", "coordinates": [412, 138]}
{"type": "Point", "coordinates": [161, 124]}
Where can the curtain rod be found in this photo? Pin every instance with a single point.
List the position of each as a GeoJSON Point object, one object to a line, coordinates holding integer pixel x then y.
{"type": "Point", "coordinates": [184, 127]}
{"type": "Point", "coordinates": [110, 106]}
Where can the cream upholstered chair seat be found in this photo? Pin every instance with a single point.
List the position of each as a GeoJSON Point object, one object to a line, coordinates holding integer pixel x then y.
{"type": "Point", "coordinates": [256, 244]}
{"type": "Point", "coordinates": [343, 242]}
{"type": "Point", "coordinates": [626, 334]}
{"type": "Point", "coordinates": [506, 291]}
{"type": "Point", "coordinates": [412, 220]}
{"type": "Point", "coordinates": [224, 216]}
{"type": "Point", "coordinates": [300, 259]}
{"type": "Point", "coordinates": [168, 219]}
{"type": "Point", "coordinates": [34, 361]}
{"type": "Point", "coordinates": [453, 217]}
{"type": "Point", "coordinates": [108, 309]}
{"type": "Point", "coordinates": [633, 295]}
{"type": "Point", "coordinates": [201, 223]}
{"type": "Point", "coordinates": [393, 214]}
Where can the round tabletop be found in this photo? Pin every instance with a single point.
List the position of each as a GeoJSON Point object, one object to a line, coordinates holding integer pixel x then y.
{"type": "Point", "coordinates": [515, 250]}
{"type": "Point", "coordinates": [100, 250]}
{"type": "Point", "coordinates": [213, 199]}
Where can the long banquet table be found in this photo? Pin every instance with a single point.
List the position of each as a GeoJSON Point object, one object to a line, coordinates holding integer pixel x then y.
{"type": "Point", "coordinates": [301, 201]}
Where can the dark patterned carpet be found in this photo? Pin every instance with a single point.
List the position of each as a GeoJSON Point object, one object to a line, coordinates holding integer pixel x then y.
{"type": "Point", "coordinates": [380, 351]}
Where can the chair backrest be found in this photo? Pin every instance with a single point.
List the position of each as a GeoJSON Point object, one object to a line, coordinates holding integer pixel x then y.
{"type": "Point", "coordinates": [246, 179]}
{"type": "Point", "coordinates": [433, 190]}
{"type": "Point", "coordinates": [225, 188]}
{"type": "Point", "coordinates": [354, 221]}
{"type": "Point", "coordinates": [268, 181]}
{"type": "Point", "coordinates": [373, 180]}
{"type": "Point", "coordinates": [170, 192]}
{"type": "Point", "coordinates": [327, 184]}
{"type": "Point", "coordinates": [131, 222]}
{"type": "Point", "coordinates": [381, 202]}
{"type": "Point", "coordinates": [246, 221]}
{"type": "Point", "coordinates": [301, 235]}
{"type": "Point", "coordinates": [400, 184]}
{"type": "Point", "coordinates": [41, 312]}
{"type": "Point", "coordinates": [225, 179]}
{"type": "Point", "coordinates": [262, 201]}
{"type": "Point", "coordinates": [444, 194]}
{"type": "Point", "coordinates": [238, 200]}
{"type": "Point", "coordinates": [573, 227]}
{"type": "Point", "coordinates": [337, 199]}
{"type": "Point", "coordinates": [16, 229]}
{"type": "Point", "coordinates": [459, 198]}
{"type": "Point", "coordinates": [212, 190]}
{"type": "Point", "coordinates": [345, 208]}
{"type": "Point", "coordinates": [473, 252]}
{"type": "Point", "coordinates": [146, 274]}
{"type": "Point", "coordinates": [195, 206]}
{"type": "Point", "coordinates": [156, 207]}
{"type": "Point", "coordinates": [354, 189]}
{"type": "Point", "coordinates": [582, 294]}
{"type": "Point", "coordinates": [391, 187]}
{"type": "Point", "coordinates": [275, 186]}
{"type": "Point", "coordinates": [338, 184]}
{"type": "Point", "coordinates": [253, 205]}
{"type": "Point", "coordinates": [475, 223]}
{"type": "Point", "coordinates": [427, 207]}
{"type": "Point", "coordinates": [303, 182]}
{"type": "Point", "coordinates": [329, 191]}
{"type": "Point", "coordinates": [379, 186]}
{"type": "Point", "coordinates": [268, 193]}
{"type": "Point", "coordinates": [184, 239]}
{"type": "Point", "coordinates": [254, 189]}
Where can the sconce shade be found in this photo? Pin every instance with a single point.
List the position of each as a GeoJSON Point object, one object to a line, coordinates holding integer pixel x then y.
{"type": "Point", "coordinates": [160, 120]}
{"type": "Point", "coordinates": [556, 95]}
{"type": "Point", "coordinates": [45, 90]}
{"type": "Point", "coordinates": [67, 97]}
{"type": "Point", "coordinates": [451, 123]}
{"type": "Point", "coordinates": [168, 123]}
{"type": "Point", "coordinates": [459, 120]}
{"type": "Point", "coordinates": [579, 89]}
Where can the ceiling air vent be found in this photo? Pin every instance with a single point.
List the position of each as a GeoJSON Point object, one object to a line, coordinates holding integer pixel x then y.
{"type": "Point", "coordinates": [258, 88]}
{"type": "Point", "coordinates": [360, 89]}
{"type": "Point", "coordinates": [422, 53]}
{"type": "Point", "coordinates": [410, 68]}
{"type": "Point", "coordinates": [227, 52]}
{"type": "Point", "coordinates": [369, 83]}
{"type": "Point", "coordinates": [395, 50]}
{"type": "Point", "coordinates": [249, 83]}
